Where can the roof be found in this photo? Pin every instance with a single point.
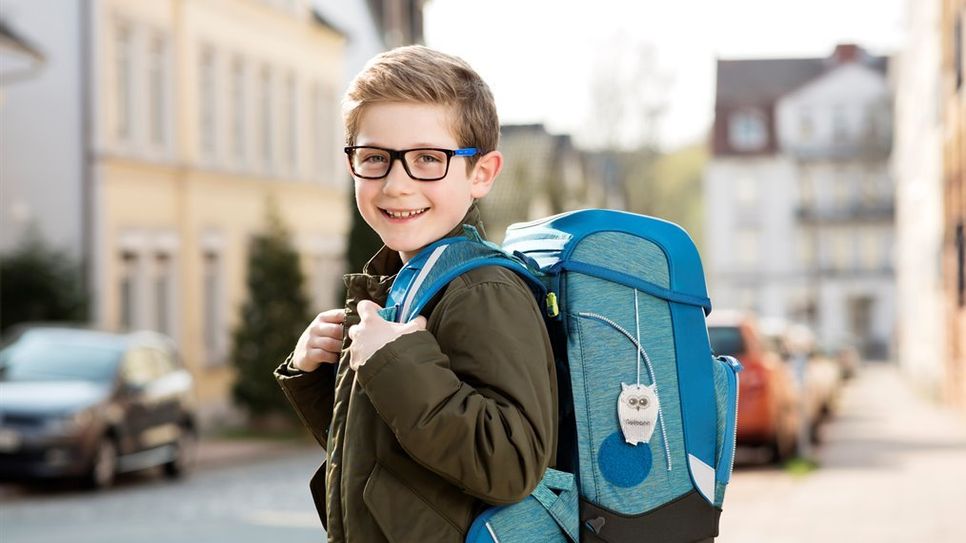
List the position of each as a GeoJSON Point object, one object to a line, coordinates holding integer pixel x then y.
{"type": "Point", "coordinates": [764, 81]}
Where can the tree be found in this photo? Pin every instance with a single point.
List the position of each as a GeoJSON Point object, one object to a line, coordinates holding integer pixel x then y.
{"type": "Point", "coordinates": [273, 317]}
{"type": "Point", "coordinates": [40, 283]}
{"type": "Point", "coordinates": [363, 240]}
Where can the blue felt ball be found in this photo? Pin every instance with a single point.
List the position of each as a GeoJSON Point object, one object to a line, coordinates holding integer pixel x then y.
{"type": "Point", "coordinates": [622, 464]}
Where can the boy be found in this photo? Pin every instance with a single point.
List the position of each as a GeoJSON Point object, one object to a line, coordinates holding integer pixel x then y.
{"type": "Point", "coordinates": [428, 422]}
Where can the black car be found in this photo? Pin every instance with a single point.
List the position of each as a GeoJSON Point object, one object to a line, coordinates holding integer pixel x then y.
{"type": "Point", "coordinates": [90, 404]}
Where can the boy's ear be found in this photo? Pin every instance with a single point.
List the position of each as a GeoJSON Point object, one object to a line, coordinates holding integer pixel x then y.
{"type": "Point", "coordinates": [484, 173]}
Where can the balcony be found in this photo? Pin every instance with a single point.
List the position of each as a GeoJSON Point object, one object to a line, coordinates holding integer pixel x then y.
{"type": "Point", "coordinates": [856, 212]}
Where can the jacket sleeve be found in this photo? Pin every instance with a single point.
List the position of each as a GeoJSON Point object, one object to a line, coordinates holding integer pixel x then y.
{"type": "Point", "coordinates": [475, 403]}
{"type": "Point", "coordinates": [311, 395]}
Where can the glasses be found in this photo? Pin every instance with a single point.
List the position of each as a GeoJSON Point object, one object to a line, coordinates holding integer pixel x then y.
{"type": "Point", "coordinates": [422, 164]}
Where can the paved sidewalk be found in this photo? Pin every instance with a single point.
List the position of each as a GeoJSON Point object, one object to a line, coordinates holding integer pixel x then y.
{"type": "Point", "coordinates": [218, 452]}
{"type": "Point", "coordinates": [892, 469]}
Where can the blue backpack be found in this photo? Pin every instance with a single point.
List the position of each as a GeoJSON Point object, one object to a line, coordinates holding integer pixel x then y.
{"type": "Point", "coordinates": [647, 413]}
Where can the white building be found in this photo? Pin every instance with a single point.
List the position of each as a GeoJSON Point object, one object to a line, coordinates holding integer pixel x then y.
{"type": "Point", "coordinates": [798, 195]}
{"type": "Point", "coordinates": [918, 169]}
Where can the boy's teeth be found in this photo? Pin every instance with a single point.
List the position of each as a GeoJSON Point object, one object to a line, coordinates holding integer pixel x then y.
{"type": "Point", "coordinates": [404, 214]}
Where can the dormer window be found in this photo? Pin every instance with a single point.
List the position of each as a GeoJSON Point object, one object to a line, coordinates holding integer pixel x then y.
{"type": "Point", "coordinates": [747, 130]}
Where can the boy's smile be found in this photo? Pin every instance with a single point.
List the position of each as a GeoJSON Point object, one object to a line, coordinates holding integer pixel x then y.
{"type": "Point", "coordinates": [409, 214]}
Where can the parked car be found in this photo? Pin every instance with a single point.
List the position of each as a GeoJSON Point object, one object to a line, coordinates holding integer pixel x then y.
{"type": "Point", "coordinates": [90, 404]}
{"type": "Point", "coordinates": [767, 395]}
{"type": "Point", "coordinates": [822, 377]}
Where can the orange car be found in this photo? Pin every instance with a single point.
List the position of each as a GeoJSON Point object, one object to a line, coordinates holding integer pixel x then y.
{"type": "Point", "coordinates": [767, 396]}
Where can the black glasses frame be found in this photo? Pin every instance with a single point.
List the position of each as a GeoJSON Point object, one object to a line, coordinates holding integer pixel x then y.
{"type": "Point", "coordinates": [400, 154]}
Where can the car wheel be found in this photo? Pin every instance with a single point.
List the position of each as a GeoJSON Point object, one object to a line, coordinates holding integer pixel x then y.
{"type": "Point", "coordinates": [104, 465]}
{"type": "Point", "coordinates": [184, 454]}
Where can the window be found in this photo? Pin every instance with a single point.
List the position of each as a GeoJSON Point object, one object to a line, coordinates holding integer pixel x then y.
{"type": "Point", "coordinates": [806, 248]}
{"type": "Point", "coordinates": [747, 130]}
{"type": "Point", "coordinates": [322, 115]}
{"type": "Point", "coordinates": [960, 266]}
{"type": "Point", "coordinates": [840, 128]}
{"type": "Point", "coordinates": [958, 51]}
{"type": "Point", "coordinates": [806, 187]}
{"type": "Point", "coordinates": [207, 104]}
{"type": "Point", "coordinates": [157, 67]}
{"type": "Point", "coordinates": [746, 192]}
{"type": "Point", "coordinates": [162, 293]}
{"type": "Point", "coordinates": [238, 108]}
{"type": "Point", "coordinates": [842, 191]}
{"type": "Point", "coordinates": [870, 187]}
{"type": "Point", "coordinates": [806, 125]}
{"type": "Point", "coordinates": [841, 251]}
{"type": "Point", "coordinates": [747, 247]}
{"type": "Point", "coordinates": [124, 60]}
{"type": "Point", "coordinates": [128, 289]}
{"type": "Point", "coordinates": [265, 116]}
{"type": "Point", "coordinates": [291, 124]}
{"type": "Point", "coordinates": [211, 300]}
{"type": "Point", "coordinates": [870, 249]}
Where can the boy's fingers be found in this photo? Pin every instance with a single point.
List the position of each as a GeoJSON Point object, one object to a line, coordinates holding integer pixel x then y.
{"type": "Point", "coordinates": [329, 344]}
{"type": "Point", "coordinates": [328, 330]}
{"type": "Point", "coordinates": [334, 316]}
{"type": "Point", "coordinates": [368, 309]}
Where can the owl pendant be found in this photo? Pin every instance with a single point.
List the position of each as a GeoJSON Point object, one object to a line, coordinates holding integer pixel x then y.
{"type": "Point", "coordinates": [637, 410]}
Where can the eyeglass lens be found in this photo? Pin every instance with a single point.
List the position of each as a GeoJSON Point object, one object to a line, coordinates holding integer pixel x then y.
{"type": "Point", "coordinates": [421, 163]}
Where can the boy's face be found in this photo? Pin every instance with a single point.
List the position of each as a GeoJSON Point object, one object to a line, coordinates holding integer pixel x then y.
{"type": "Point", "coordinates": [408, 214]}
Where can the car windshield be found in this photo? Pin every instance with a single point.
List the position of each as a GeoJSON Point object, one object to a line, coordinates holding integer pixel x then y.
{"type": "Point", "coordinates": [726, 340]}
{"type": "Point", "coordinates": [43, 358]}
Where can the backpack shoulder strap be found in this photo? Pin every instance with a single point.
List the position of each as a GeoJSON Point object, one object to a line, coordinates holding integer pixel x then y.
{"type": "Point", "coordinates": [427, 273]}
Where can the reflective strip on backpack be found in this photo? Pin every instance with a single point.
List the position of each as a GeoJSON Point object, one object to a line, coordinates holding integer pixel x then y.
{"type": "Point", "coordinates": [418, 282]}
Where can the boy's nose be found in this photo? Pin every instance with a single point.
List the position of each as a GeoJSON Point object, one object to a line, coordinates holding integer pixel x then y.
{"type": "Point", "coordinates": [398, 181]}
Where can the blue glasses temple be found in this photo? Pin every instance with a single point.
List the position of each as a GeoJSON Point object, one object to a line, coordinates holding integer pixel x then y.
{"type": "Point", "coordinates": [466, 151]}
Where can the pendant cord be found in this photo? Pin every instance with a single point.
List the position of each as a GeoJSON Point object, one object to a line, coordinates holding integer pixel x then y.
{"type": "Point", "coordinates": [637, 322]}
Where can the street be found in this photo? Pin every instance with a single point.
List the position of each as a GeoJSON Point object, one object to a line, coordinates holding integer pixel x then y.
{"type": "Point", "coordinates": [265, 500]}
{"type": "Point", "coordinates": [892, 468]}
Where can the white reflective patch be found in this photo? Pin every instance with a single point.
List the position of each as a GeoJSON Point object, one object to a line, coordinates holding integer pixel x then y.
{"type": "Point", "coordinates": [703, 476]}
{"type": "Point", "coordinates": [538, 244]}
{"type": "Point", "coordinates": [430, 262]}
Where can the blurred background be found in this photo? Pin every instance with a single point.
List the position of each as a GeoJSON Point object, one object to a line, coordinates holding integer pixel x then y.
{"type": "Point", "coordinates": [175, 208]}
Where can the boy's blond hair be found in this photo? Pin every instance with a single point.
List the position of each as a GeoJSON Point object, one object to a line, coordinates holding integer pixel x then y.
{"type": "Point", "coordinates": [421, 75]}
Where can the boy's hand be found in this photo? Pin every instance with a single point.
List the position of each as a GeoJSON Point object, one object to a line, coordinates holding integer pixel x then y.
{"type": "Point", "coordinates": [321, 342]}
{"type": "Point", "coordinates": [373, 332]}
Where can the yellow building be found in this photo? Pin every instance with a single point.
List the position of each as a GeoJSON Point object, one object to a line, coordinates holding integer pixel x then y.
{"type": "Point", "coordinates": [202, 112]}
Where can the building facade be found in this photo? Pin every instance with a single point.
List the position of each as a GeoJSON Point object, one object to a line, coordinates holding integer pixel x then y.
{"type": "Point", "coordinates": [922, 347]}
{"type": "Point", "coordinates": [175, 124]}
{"type": "Point", "coordinates": [799, 197]}
{"type": "Point", "coordinates": [953, 97]}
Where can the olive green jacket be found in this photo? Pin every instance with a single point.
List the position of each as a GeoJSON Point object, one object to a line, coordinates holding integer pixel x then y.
{"type": "Point", "coordinates": [438, 423]}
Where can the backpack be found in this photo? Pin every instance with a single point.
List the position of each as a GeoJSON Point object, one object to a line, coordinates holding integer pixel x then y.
{"type": "Point", "coordinates": [647, 414]}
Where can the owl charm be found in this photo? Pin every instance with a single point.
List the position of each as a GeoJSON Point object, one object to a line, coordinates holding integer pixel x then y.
{"type": "Point", "coordinates": [637, 410]}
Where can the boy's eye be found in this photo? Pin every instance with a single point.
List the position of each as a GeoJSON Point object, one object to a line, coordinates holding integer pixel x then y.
{"type": "Point", "coordinates": [373, 158]}
{"type": "Point", "coordinates": [428, 158]}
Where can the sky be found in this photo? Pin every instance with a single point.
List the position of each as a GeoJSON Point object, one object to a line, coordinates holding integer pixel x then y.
{"type": "Point", "coordinates": [539, 56]}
